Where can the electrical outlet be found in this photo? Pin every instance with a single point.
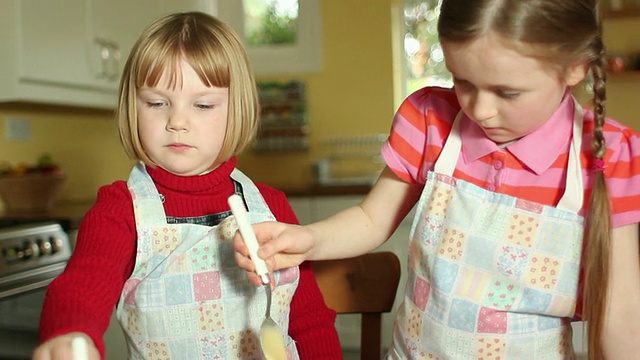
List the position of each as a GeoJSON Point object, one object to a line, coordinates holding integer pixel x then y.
{"type": "Point", "coordinates": [18, 129]}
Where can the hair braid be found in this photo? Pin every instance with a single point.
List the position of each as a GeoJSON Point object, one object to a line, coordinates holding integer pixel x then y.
{"type": "Point", "coordinates": [598, 232]}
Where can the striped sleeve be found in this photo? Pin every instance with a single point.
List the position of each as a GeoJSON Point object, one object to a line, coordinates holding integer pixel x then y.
{"type": "Point", "coordinates": [622, 172]}
{"type": "Point", "coordinates": [419, 129]}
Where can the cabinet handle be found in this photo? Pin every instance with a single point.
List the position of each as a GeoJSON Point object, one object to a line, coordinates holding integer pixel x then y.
{"type": "Point", "coordinates": [113, 73]}
{"type": "Point", "coordinates": [105, 54]}
{"type": "Point", "coordinates": [109, 59]}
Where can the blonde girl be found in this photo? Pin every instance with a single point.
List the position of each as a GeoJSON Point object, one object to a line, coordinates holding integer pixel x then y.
{"type": "Point", "coordinates": [158, 247]}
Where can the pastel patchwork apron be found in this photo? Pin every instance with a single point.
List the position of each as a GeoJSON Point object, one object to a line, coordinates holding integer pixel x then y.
{"type": "Point", "coordinates": [187, 298]}
{"type": "Point", "coordinates": [490, 276]}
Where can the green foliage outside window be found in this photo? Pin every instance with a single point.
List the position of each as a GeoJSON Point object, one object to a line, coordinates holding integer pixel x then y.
{"type": "Point", "coordinates": [272, 22]}
{"type": "Point", "coordinates": [423, 55]}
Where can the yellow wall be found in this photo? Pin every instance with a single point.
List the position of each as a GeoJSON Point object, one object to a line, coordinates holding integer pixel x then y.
{"type": "Point", "coordinates": [352, 95]}
{"type": "Point", "coordinates": [623, 90]}
{"type": "Point", "coordinates": [85, 143]}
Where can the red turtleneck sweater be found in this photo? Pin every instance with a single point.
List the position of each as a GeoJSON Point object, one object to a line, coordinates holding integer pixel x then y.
{"type": "Point", "coordinates": [84, 296]}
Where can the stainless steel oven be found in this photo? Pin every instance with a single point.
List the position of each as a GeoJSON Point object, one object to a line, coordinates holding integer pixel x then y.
{"type": "Point", "coordinates": [32, 254]}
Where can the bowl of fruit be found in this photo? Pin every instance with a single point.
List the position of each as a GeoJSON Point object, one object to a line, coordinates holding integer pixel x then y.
{"type": "Point", "coordinates": [31, 187]}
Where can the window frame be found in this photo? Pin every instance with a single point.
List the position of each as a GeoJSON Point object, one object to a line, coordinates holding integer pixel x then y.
{"type": "Point", "coordinates": [303, 57]}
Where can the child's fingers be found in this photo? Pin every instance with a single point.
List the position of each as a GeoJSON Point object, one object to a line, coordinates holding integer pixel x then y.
{"type": "Point", "coordinates": [283, 245]}
{"type": "Point", "coordinates": [67, 347]}
{"type": "Point", "coordinates": [241, 254]}
{"type": "Point", "coordinates": [58, 348]}
{"type": "Point", "coordinates": [273, 240]}
{"type": "Point", "coordinates": [41, 353]}
{"type": "Point", "coordinates": [254, 278]}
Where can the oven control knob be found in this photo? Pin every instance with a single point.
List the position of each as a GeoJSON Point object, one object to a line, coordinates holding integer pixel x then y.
{"type": "Point", "coordinates": [56, 244]}
{"type": "Point", "coordinates": [30, 249]}
{"type": "Point", "coordinates": [44, 246]}
{"type": "Point", "coordinates": [27, 249]}
{"type": "Point", "coordinates": [19, 254]}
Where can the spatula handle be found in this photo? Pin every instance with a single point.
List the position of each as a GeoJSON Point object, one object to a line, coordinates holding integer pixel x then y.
{"type": "Point", "coordinates": [249, 237]}
{"type": "Point", "coordinates": [80, 348]}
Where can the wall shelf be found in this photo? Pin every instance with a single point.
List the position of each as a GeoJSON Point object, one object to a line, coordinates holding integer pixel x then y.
{"type": "Point", "coordinates": [633, 12]}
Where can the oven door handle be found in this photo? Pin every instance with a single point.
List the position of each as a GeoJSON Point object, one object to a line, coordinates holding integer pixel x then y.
{"type": "Point", "coordinates": [26, 281]}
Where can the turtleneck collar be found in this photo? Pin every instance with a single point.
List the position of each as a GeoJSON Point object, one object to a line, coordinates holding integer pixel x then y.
{"type": "Point", "coordinates": [193, 184]}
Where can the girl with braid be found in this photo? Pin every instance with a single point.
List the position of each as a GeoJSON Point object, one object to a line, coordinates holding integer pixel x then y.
{"type": "Point", "coordinates": [527, 204]}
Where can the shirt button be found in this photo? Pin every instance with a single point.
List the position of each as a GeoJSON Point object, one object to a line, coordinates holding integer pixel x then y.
{"type": "Point", "coordinates": [498, 165]}
{"type": "Point", "coordinates": [491, 187]}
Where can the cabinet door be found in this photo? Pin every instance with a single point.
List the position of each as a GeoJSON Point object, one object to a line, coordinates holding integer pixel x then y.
{"type": "Point", "coordinates": [52, 46]}
{"type": "Point", "coordinates": [71, 52]}
{"type": "Point", "coordinates": [80, 43]}
{"type": "Point", "coordinates": [114, 26]}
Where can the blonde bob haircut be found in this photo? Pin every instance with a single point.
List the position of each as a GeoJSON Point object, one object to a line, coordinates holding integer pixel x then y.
{"type": "Point", "coordinates": [216, 54]}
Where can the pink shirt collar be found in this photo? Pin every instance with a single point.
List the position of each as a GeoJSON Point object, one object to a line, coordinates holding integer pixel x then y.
{"type": "Point", "coordinates": [537, 151]}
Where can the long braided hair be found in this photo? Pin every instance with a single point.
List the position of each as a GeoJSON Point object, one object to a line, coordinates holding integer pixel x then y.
{"type": "Point", "coordinates": [569, 32]}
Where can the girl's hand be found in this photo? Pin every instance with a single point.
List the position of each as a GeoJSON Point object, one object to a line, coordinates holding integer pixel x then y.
{"type": "Point", "coordinates": [60, 348]}
{"type": "Point", "coordinates": [281, 246]}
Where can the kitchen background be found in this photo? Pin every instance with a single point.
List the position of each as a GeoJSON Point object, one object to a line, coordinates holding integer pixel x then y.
{"type": "Point", "coordinates": [354, 88]}
{"type": "Point", "coordinates": [352, 94]}
{"type": "Point", "coordinates": [355, 92]}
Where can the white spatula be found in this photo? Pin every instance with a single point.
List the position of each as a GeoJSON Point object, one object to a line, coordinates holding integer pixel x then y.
{"type": "Point", "coordinates": [80, 348]}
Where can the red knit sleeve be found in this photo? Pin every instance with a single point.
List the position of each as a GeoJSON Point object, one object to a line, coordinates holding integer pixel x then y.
{"type": "Point", "coordinates": [84, 296]}
{"type": "Point", "coordinates": [311, 322]}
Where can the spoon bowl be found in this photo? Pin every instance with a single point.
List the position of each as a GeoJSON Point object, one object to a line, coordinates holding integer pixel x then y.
{"type": "Point", "coordinates": [271, 340]}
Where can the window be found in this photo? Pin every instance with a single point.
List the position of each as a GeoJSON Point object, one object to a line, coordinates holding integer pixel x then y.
{"type": "Point", "coordinates": [423, 58]}
{"type": "Point", "coordinates": [270, 22]}
{"type": "Point", "coordinates": [282, 36]}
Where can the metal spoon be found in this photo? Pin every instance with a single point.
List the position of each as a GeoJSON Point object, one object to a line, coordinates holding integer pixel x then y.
{"type": "Point", "coordinates": [271, 340]}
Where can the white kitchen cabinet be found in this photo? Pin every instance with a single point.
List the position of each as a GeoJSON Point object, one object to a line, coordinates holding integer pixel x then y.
{"type": "Point", "coordinates": [71, 52]}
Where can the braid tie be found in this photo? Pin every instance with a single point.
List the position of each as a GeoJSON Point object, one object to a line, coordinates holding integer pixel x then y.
{"type": "Point", "coordinates": [598, 165]}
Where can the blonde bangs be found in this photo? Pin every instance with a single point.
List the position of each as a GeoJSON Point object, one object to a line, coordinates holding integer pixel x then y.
{"type": "Point", "coordinates": [201, 50]}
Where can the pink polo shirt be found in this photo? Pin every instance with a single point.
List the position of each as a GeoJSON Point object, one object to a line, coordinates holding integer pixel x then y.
{"type": "Point", "coordinates": [532, 168]}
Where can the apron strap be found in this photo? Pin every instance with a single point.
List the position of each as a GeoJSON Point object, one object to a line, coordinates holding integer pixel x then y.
{"type": "Point", "coordinates": [573, 196]}
{"type": "Point", "coordinates": [146, 198]}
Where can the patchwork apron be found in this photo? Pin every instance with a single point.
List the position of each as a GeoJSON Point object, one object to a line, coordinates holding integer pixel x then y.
{"type": "Point", "coordinates": [490, 276]}
{"type": "Point", "coordinates": [187, 298]}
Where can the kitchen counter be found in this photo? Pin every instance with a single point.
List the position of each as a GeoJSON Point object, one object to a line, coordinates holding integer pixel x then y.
{"type": "Point", "coordinates": [69, 215]}
{"type": "Point", "coordinates": [318, 190]}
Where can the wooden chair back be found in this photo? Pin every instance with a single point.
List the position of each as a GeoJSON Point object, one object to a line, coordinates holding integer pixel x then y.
{"type": "Point", "coordinates": [365, 285]}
